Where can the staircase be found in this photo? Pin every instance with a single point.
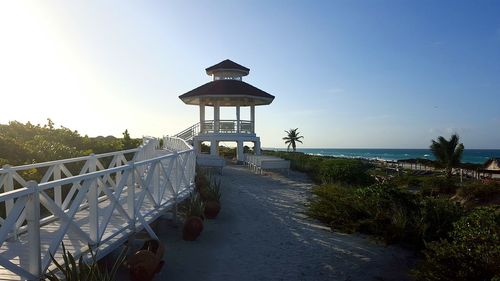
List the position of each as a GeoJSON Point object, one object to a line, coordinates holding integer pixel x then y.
{"type": "Point", "coordinates": [189, 133]}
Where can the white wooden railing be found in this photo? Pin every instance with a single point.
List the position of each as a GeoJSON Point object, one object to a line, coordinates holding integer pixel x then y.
{"type": "Point", "coordinates": [101, 206]}
{"type": "Point", "coordinates": [217, 126]}
{"type": "Point", "coordinates": [175, 144]}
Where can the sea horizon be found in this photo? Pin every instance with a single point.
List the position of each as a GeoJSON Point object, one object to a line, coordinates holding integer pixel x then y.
{"type": "Point", "coordinates": [474, 156]}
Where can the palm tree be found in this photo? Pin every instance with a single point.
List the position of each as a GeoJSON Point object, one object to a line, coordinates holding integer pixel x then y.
{"type": "Point", "coordinates": [291, 138]}
{"type": "Point", "coordinates": [447, 152]}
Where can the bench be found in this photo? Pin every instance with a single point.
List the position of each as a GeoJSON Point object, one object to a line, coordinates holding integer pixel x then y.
{"type": "Point", "coordinates": [209, 161]}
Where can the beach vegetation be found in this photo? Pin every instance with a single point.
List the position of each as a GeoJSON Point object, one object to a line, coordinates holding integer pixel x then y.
{"type": "Point", "coordinates": [470, 252]}
{"type": "Point", "coordinates": [193, 224]}
{"type": "Point", "coordinates": [475, 194]}
{"type": "Point", "coordinates": [84, 270]}
{"type": "Point", "coordinates": [384, 210]}
{"type": "Point", "coordinates": [448, 153]}
{"type": "Point", "coordinates": [329, 170]}
{"type": "Point", "coordinates": [291, 138]}
{"type": "Point", "coordinates": [212, 200]}
{"type": "Point", "coordinates": [437, 215]}
{"type": "Point", "coordinates": [25, 143]}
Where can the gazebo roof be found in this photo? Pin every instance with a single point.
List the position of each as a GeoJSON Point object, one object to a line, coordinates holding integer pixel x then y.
{"type": "Point", "coordinates": [227, 65]}
{"type": "Point", "coordinates": [227, 93]}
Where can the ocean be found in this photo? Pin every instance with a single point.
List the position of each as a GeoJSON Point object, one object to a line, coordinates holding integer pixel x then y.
{"type": "Point", "coordinates": [476, 156]}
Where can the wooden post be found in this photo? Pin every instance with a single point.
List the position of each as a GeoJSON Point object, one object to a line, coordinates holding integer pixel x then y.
{"type": "Point", "coordinates": [57, 189]}
{"type": "Point", "coordinates": [238, 121]}
{"type": "Point", "coordinates": [8, 186]}
{"type": "Point", "coordinates": [239, 152]}
{"type": "Point", "coordinates": [156, 183]}
{"type": "Point", "coordinates": [33, 224]}
{"type": "Point", "coordinates": [252, 117]}
{"type": "Point", "coordinates": [92, 201]}
{"type": "Point", "coordinates": [131, 200]}
{"type": "Point", "coordinates": [256, 147]}
{"type": "Point", "coordinates": [216, 117]}
{"type": "Point", "coordinates": [202, 117]}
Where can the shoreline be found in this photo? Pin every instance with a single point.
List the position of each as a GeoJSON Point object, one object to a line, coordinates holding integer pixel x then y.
{"type": "Point", "coordinates": [470, 156]}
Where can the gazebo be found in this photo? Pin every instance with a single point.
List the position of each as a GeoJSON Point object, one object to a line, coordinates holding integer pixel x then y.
{"type": "Point", "coordinates": [227, 89]}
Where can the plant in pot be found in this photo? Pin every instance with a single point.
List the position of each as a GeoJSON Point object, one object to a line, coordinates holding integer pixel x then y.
{"type": "Point", "coordinates": [202, 182]}
{"type": "Point", "coordinates": [145, 263]}
{"type": "Point", "coordinates": [212, 201]}
{"type": "Point", "coordinates": [193, 225]}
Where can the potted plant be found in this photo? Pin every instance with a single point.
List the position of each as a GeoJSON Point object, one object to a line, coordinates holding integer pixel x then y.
{"type": "Point", "coordinates": [145, 263]}
{"type": "Point", "coordinates": [202, 182]}
{"type": "Point", "coordinates": [212, 201]}
{"type": "Point", "coordinates": [193, 225]}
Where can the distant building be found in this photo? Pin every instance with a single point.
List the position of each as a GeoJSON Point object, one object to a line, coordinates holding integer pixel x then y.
{"type": "Point", "coordinates": [493, 164]}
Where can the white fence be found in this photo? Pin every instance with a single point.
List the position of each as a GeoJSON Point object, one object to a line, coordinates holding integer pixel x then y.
{"type": "Point", "coordinates": [175, 144]}
{"type": "Point", "coordinates": [101, 206]}
{"type": "Point", "coordinates": [259, 163]}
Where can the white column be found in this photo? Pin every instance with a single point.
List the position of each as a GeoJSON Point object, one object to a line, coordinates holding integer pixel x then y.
{"type": "Point", "coordinates": [239, 152]}
{"type": "Point", "coordinates": [197, 146]}
{"type": "Point", "coordinates": [238, 125]}
{"type": "Point", "coordinates": [93, 204]}
{"type": "Point", "coordinates": [216, 117]}
{"type": "Point", "coordinates": [252, 117]}
{"type": "Point", "coordinates": [202, 117]}
{"type": "Point", "coordinates": [214, 151]}
{"type": "Point", "coordinates": [256, 147]}
{"type": "Point", "coordinates": [33, 225]}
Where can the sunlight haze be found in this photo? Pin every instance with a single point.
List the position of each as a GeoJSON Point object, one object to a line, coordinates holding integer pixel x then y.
{"type": "Point", "coordinates": [385, 74]}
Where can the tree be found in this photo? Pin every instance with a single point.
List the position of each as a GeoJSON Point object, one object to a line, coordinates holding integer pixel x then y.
{"type": "Point", "coordinates": [292, 137]}
{"type": "Point", "coordinates": [448, 153]}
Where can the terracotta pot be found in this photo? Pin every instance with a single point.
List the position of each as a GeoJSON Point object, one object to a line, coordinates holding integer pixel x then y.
{"type": "Point", "coordinates": [212, 209]}
{"type": "Point", "coordinates": [192, 228]}
{"type": "Point", "coordinates": [146, 262]}
{"type": "Point", "coordinates": [203, 193]}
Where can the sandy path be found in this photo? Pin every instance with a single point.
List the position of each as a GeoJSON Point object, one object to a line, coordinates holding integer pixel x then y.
{"type": "Point", "coordinates": [261, 234]}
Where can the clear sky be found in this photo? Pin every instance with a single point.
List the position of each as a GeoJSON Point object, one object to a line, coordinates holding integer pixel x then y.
{"type": "Point", "coordinates": [374, 74]}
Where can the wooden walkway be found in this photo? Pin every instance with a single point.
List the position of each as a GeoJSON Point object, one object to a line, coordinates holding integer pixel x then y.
{"type": "Point", "coordinates": [99, 208]}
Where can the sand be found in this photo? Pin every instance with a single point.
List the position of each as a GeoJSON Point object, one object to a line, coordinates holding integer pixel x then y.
{"type": "Point", "coordinates": [262, 234]}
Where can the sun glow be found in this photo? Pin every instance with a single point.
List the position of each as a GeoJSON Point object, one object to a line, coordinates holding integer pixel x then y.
{"type": "Point", "coordinates": [43, 74]}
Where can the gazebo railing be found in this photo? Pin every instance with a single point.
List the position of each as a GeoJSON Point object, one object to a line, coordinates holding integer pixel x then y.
{"type": "Point", "coordinates": [217, 126]}
{"type": "Point", "coordinates": [227, 127]}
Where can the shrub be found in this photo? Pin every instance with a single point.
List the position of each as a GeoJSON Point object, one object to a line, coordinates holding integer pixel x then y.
{"type": "Point", "coordinates": [391, 210]}
{"type": "Point", "coordinates": [351, 172]}
{"type": "Point", "coordinates": [479, 192]}
{"type": "Point", "coordinates": [436, 219]}
{"type": "Point", "coordinates": [386, 211]}
{"type": "Point", "coordinates": [471, 253]}
{"type": "Point", "coordinates": [438, 185]}
{"type": "Point", "coordinates": [327, 170]}
{"type": "Point", "coordinates": [80, 270]}
{"type": "Point", "coordinates": [337, 206]}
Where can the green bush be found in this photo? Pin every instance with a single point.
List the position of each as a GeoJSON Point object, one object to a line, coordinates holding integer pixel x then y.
{"type": "Point", "coordinates": [472, 251]}
{"type": "Point", "coordinates": [477, 192]}
{"type": "Point", "coordinates": [337, 206]}
{"type": "Point", "coordinates": [436, 218]}
{"type": "Point", "coordinates": [386, 211]}
{"type": "Point", "coordinates": [80, 270]}
{"type": "Point", "coordinates": [328, 170]}
{"type": "Point", "coordinates": [351, 172]}
{"type": "Point", "coordinates": [432, 186]}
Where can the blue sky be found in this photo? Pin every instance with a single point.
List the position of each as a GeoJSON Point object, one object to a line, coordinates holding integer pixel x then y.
{"type": "Point", "coordinates": [374, 74]}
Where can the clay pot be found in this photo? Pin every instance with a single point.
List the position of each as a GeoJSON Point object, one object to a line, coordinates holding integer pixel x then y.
{"type": "Point", "coordinates": [192, 228]}
{"type": "Point", "coordinates": [212, 209]}
{"type": "Point", "coordinates": [145, 263]}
